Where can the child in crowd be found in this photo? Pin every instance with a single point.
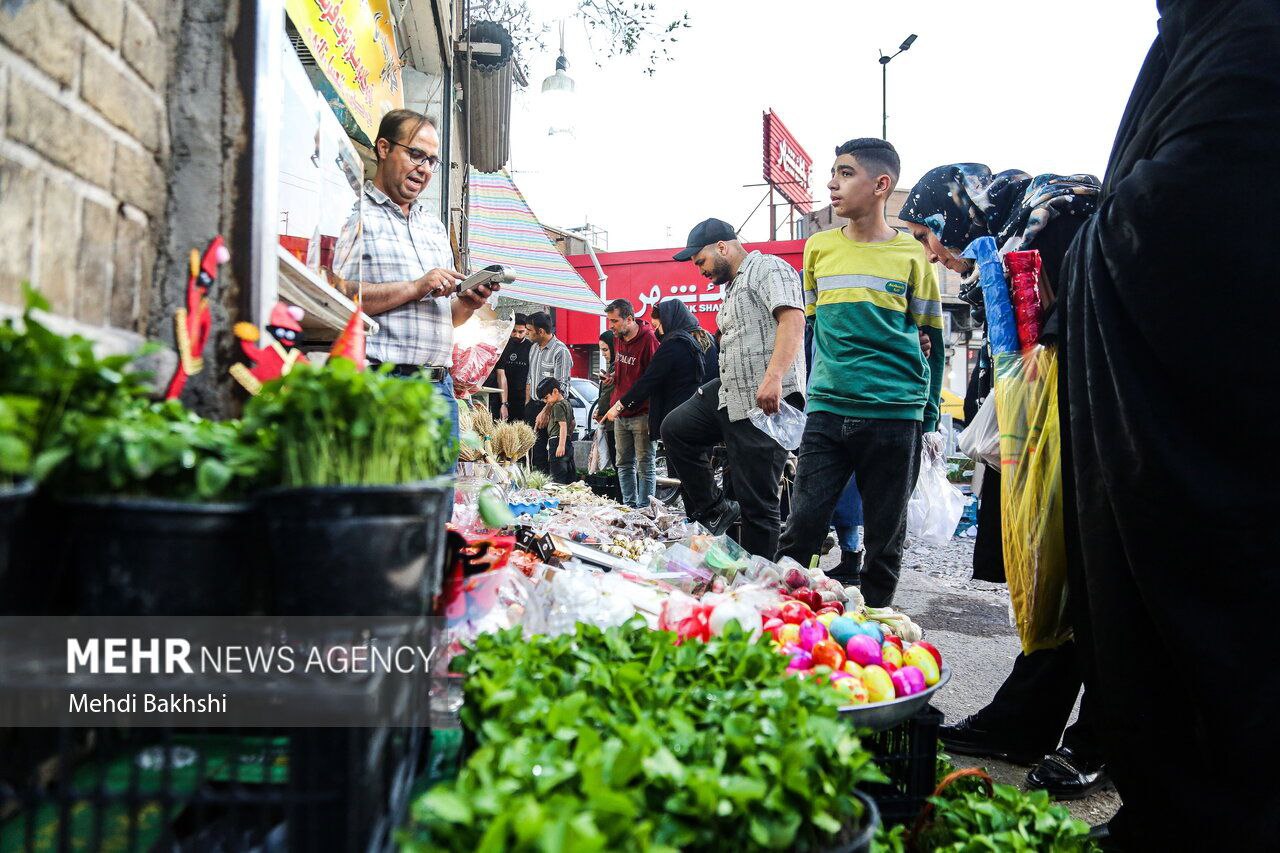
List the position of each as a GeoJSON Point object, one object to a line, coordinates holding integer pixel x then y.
{"type": "Point", "coordinates": [559, 429]}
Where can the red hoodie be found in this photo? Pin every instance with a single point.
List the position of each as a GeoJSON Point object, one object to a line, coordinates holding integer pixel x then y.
{"type": "Point", "coordinates": [632, 359]}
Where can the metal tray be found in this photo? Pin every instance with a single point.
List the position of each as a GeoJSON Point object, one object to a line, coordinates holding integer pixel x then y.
{"type": "Point", "coordinates": [879, 716]}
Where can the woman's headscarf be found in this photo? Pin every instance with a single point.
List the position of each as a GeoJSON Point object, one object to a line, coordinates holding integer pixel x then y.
{"type": "Point", "coordinates": [678, 322]}
{"type": "Point", "coordinates": [607, 337]}
{"type": "Point", "coordinates": [964, 201]}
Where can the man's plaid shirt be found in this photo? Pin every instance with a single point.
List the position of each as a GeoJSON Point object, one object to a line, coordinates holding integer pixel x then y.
{"type": "Point", "coordinates": [393, 247]}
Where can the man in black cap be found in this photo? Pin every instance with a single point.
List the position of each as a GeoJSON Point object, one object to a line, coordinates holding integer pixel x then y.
{"type": "Point", "coordinates": [761, 364]}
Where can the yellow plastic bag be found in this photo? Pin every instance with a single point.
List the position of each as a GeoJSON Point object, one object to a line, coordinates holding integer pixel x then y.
{"type": "Point", "coordinates": [1035, 557]}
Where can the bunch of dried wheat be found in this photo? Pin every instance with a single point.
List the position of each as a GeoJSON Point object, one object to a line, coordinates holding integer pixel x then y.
{"type": "Point", "coordinates": [511, 441]}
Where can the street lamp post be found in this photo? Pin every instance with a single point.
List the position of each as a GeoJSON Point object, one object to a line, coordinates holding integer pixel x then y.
{"type": "Point", "coordinates": [884, 84]}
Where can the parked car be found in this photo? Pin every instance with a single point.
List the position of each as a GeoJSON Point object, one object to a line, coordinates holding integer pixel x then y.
{"type": "Point", "coordinates": [583, 394]}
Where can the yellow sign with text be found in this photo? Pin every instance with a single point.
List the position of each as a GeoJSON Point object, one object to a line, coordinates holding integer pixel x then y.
{"type": "Point", "coordinates": [354, 43]}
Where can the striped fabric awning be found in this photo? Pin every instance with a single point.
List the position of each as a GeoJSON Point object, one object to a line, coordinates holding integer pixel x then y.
{"type": "Point", "coordinates": [503, 230]}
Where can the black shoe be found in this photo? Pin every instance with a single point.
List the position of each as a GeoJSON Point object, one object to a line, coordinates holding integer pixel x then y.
{"type": "Point", "coordinates": [1067, 775]}
{"type": "Point", "coordinates": [828, 544]}
{"type": "Point", "coordinates": [969, 738]}
{"type": "Point", "coordinates": [1102, 839]}
{"type": "Point", "coordinates": [849, 571]}
{"type": "Point", "coordinates": [719, 520]}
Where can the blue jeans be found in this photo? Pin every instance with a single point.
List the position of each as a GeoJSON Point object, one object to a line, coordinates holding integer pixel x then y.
{"type": "Point", "coordinates": [445, 388]}
{"type": "Point", "coordinates": [635, 455]}
{"type": "Point", "coordinates": [847, 518]}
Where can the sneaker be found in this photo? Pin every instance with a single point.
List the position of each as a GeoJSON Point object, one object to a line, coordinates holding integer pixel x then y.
{"type": "Point", "coordinates": [719, 520]}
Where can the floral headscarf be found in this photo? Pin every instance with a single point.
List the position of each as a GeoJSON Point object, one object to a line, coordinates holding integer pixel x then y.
{"type": "Point", "coordinates": [964, 201]}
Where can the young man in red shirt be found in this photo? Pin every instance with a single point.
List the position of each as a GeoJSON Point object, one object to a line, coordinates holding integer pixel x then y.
{"type": "Point", "coordinates": [635, 343]}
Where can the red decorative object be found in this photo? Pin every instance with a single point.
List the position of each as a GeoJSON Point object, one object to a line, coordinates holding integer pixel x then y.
{"type": "Point", "coordinates": [193, 321]}
{"type": "Point", "coordinates": [1024, 292]}
{"type": "Point", "coordinates": [350, 344]}
{"type": "Point", "coordinates": [280, 353]}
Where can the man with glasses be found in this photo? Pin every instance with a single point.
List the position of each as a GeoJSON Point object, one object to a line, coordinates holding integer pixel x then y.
{"type": "Point", "coordinates": [400, 251]}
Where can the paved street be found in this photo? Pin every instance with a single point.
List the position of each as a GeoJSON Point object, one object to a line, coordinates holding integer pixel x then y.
{"type": "Point", "coordinates": [969, 622]}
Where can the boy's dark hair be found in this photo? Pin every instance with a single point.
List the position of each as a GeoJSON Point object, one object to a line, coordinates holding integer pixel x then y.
{"type": "Point", "coordinates": [540, 320]}
{"type": "Point", "coordinates": [522, 320]}
{"type": "Point", "coordinates": [548, 385]}
{"type": "Point", "coordinates": [877, 156]}
{"type": "Point", "coordinates": [622, 307]}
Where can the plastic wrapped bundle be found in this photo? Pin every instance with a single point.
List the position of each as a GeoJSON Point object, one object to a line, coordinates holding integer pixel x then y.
{"type": "Point", "coordinates": [1031, 512]}
{"type": "Point", "coordinates": [1002, 328]}
{"type": "Point", "coordinates": [1024, 289]}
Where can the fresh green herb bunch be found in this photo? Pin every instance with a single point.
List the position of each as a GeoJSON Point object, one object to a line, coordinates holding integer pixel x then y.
{"type": "Point", "coordinates": [339, 426]}
{"type": "Point", "coordinates": [159, 450]}
{"type": "Point", "coordinates": [1008, 820]}
{"type": "Point", "coordinates": [44, 375]}
{"type": "Point", "coordinates": [620, 739]}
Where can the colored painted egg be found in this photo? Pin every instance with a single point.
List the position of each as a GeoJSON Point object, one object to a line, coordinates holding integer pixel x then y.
{"type": "Point", "coordinates": [789, 634]}
{"type": "Point", "coordinates": [800, 660]}
{"type": "Point", "coordinates": [811, 632]}
{"type": "Point", "coordinates": [879, 684]}
{"type": "Point", "coordinates": [839, 674]}
{"type": "Point", "coordinates": [852, 668]}
{"type": "Point", "coordinates": [893, 638]}
{"type": "Point", "coordinates": [907, 681]}
{"type": "Point", "coordinates": [872, 630]}
{"type": "Point", "coordinates": [794, 612]}
{"type": "Point", "coordinates": [863, 650]}
{"type": "Point", "coordinates": [931, 649]}
{"type": "Point", "coordinates": [923, 661]}
{"type": "Point", "coordinates": [827, 653]}
{"type": "Point", "coordinates": [853, 688]}
{"type": "Point", "coordinates": [891, 654]}
{"type": "Point", "coordinates": [842, 628]}
{"type": "Point", "coordinates": [827, 618]}
{"type": "Point", "coordinates": [891, 666]}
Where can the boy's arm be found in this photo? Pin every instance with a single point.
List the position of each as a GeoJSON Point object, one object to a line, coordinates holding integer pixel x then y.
{"type": "Point", "coordinates": [926, 310]}
{"type": "Point", "coordinates": [564, 436]}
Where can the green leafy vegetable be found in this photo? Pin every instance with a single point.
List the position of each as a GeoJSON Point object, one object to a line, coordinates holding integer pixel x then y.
{"type": "Point", "coordinates": [337, 425]}
{"type": "Point", "coordinates": [619, 740]}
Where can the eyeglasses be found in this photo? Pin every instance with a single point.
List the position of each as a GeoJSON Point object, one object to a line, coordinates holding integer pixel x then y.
{"type": "Point", "coordinates": [419, 157]}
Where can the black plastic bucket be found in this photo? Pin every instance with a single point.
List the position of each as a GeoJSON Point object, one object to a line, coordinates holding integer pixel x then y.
{"type": "Point", "coordinates": [355, 550]}
{"type": "Point", "coordinates": [13, 506]}
{"type": "Point", "coordinates": [860, 841]}
{"type": "Point", "coordinates": [140, 557]}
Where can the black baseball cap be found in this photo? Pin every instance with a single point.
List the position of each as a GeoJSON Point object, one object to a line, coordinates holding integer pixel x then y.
{"type": "Point", "coordinates": [705, 233]}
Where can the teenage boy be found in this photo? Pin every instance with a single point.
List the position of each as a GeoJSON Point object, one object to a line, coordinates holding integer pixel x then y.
{"type": "Point", "coordinates": [559, 428]}
{"type": "Point", "coordinates": [635, 344]}
{"type": "Point", "coordinates": [872, 393]}
{"type": "Point", "coordinates": [511, 374]}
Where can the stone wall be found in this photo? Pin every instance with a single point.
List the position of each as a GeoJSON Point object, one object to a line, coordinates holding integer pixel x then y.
{"type": "Point", "coordinates": [84, 152]}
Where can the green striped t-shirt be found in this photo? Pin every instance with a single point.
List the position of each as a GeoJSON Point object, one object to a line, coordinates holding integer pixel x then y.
{"type": "Point", "coordinates": [868, 302]}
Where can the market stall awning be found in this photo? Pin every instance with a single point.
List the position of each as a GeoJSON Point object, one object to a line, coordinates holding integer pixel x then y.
{"type": "Point", "coordinates": [503, 230]}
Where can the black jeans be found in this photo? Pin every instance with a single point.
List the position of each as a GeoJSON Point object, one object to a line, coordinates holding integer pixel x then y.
{"type": "Point", "coordinates": [885, 457]}
{"type": "Point", "coordinates": [756, 461]}
{"type": "Point", "coordinates": [562, 469]}
{"type": "Point", "coordinates": [1034, 703]}
{"type": "Point", "coordinates": [541, 461]}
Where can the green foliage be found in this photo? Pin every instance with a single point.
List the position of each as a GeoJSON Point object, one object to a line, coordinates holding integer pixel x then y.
{"type": "Point", "coordinates": [337, 425]}
{"type": "Point", "coordinates": [43, 376]}
{"type": "Point", "coordinates": [620, 739]}
{"type": "Point", "coordinates": [159, 450]}
{"type": "Point", "coordinates": [966, 820]}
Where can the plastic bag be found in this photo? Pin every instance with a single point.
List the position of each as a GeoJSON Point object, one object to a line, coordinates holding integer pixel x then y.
{"type": "Point", "coordinates": [1002, 328]}
{"type": "Point", "coordinates": [980, 440]}
{"type": "Point", "coordinates": [1024, 290]}
{"type": "Point", "coordinates": [936, 506]}
{"type": "Point", "coordinates": [599, 458]}
{"type": "Point", "coordinates": [477, 346]}
{"type": "Point", "coordinates": [1031, 512]}
{"type": "Point", "coordinates": [785, 426]}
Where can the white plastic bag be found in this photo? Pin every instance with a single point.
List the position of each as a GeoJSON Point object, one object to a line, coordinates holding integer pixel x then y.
{"type": "Point", "coordinates": [599, 458]}
{"type": "Point", "coordinates": [980, 440]}
{"type": "Point", "coordinates": [934, 511]}
{"type": "Point", "coordinates": [784, 426]}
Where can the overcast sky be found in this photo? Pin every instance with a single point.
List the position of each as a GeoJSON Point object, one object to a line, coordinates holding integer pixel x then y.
{"type": "Point", "coordinates": [1038, 86]}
